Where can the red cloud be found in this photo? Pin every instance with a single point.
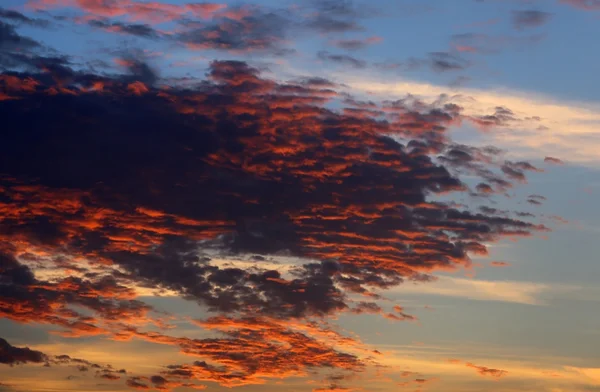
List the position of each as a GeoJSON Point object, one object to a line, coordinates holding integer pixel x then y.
{"type": "Point", "coordinates": [254, 350]}
{"type": "Point", "coordinates": [129, 189]}
{"type": "Point", "coordinates": [149, 12]}
{"type": "Point", "coordinates": [482, 370]}
{"type": "Point", "coordinates": [553, 160]}
{"type": "Point", "coordinates": [589, 5]}
{"type": "Point", "coordinates": [500, 264]}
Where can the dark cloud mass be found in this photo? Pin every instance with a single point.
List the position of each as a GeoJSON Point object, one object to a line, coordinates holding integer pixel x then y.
{"type": "Point", "coordinates": [342, 59]}
{"type": "Point", "coordinates": [530, 18]}
{"type": "Point", "coordinates": [11, 355]}
{"type": "Point", "coordinates": [243, 30]}
{"type": "Point", "coordinates": [136, 29]}
{"type": "Point", "coordinates": [16, 17]}
{"type": "Point", "coordinates": [114, 184]}
{"type": "Point", "coordinates": [11, 41]}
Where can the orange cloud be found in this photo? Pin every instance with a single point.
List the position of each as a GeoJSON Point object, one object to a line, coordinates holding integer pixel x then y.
{"type": "Point", "coordinates": [150, 12]}
{"type": "Point", "coordinates": [145, 186]}
{"type": "Point", "coordinates": [482, 370]}
{"type": "Point", "coordinates": [500, 264]}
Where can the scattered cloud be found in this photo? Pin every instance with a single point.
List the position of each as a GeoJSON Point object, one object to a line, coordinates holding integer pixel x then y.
{"type": "Point", "coordinates": [325, 200]}
{"type": "Point", "coordinates": [524, 19]}
{"type": "Point", "coordinates": [239, 165]}
{"type": "Point", "coordinates": [341, 59]}
{"type": "Point", "coordinates": [483, 371]}
{"type": "Point", "coordinates": [554, 161]}
{"type": "Point", "coordinates": [542, 126]}
{"type": "Point", "coordinates": [356, 44]}
{"type": "Point", "coordinates": [588, 5]}
{"type": "Point", "coordinates": [136, 29]}
{"type": "Point", "coordinates": [11, 355]}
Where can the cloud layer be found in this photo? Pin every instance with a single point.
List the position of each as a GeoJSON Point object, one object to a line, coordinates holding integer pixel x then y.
{"type": "Point", "coordinates": [114, 183]}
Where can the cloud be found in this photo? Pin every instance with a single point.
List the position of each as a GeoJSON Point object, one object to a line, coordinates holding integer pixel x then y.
{"type": "Point", "coordinates": [588, 5]}
{"type": "Point", "coordinates": [535, 199]}
{"type": "Point", "coordinates": [252, 350]}
{"type": "Point", "coordinates": [341, 59]}
{"type": "Point", "coordinates": [11, 355]}
{"type": "Point", "coordinates": [136, 29]}
{"type": "Point", "coordinates": [141, 185]}
{"type": "Point", "coordinates": [527, 293]}
{"type": "Point", "coordinates": [552, 160]}
{"type": "Point", "coordinates": [529, 18]}
{"type": "Point", "coordinates": [13, 16]}
{"type": "Point", "coordinates": [538, 126]}
{"type": "Point", "coordinates": [436, 61]}
{"type": "Point", "coordinates": [246, 30]}
{"type": "Point", "coordinates": [297, 235]}
{"type": "Point", "coordinates": [198, 26]}
{"type": "Point", "coordinates": [336, 16]}
{"type": "Point", "coordinates": [133, 11]}
{"type": "Point", "coordinates": [213, 26]}
{"type": "Point", "coordinates": [326, 24]}
{"type": "Point", "coordinates": [11, 41]}
{"type": "Point", "coordinates": [482, 370]}
{"type": "Point", "coordinates": [332, 388]}
{"type": "Point", "coordinates": [443, 62]}
{"type": "Point", "coordinates": [356, 44]}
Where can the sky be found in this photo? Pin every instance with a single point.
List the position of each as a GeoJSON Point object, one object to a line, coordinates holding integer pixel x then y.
{"type": "Point", "coordinates": [308, 196]}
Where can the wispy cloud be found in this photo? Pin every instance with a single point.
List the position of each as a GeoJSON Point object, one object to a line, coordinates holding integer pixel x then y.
{"type": "Point", "coordinates": [530, 371]}
{"type": "Point", "coordinates": [544, 125]}
{"type": "Point", "coordinates": [528, 293]}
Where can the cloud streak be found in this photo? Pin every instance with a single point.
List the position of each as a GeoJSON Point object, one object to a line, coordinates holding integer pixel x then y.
{"type": "Point", "coordinates": [326, 200]}
{"type": "Point", "coordinates": [527, 293]}
{"type": "Point", "coordinates": [544, 123]}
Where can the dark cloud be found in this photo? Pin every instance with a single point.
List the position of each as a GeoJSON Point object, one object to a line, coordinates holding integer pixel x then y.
{"type": "Point", "coordinates": [25, 299]}
{"type": "Point", "coordinates": [529, 18]}
{"type": "Point", "coordinates": [443, 62]}
{"type": "Point", "coordinates": [11, 355]}
{"type": "Point", "coordinates": [516, 170]}
{"type": "Point", "coordinates": [326, 24]}
{"type": "Point", "coordinates": [336, 16]}
{"type": "Point", "coordinates": [502, 117]}
{"type": "Point", "coordinates": [11, 41]}
{"type": "Point", "coordinates": [342, 59]}
{"type": "Point", "coordinates": [136, 383]}
{"type": "Point", "coordinates": [136, 29]}
{"type": "Point", "coordinates": [138, 68]}
{"type": "Point", "coordinates": [436, 61]}
{"type": "Point", "coordinates": [355, 44]}
{"type": "Point", "coordinates": [20, 52]}
{"type": "Point", "coordinates": [245, 218]}
{"type": "Point", "coordinates": [535, 199]}
{"type": "Point", "coordinates": [148, 184]}
{"type": "Point", "coordinates": [553, 160]}
{"type": "Point", "coordinates": [244, 31]}
{"type": "Point", "coordinates": [18, 18]}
